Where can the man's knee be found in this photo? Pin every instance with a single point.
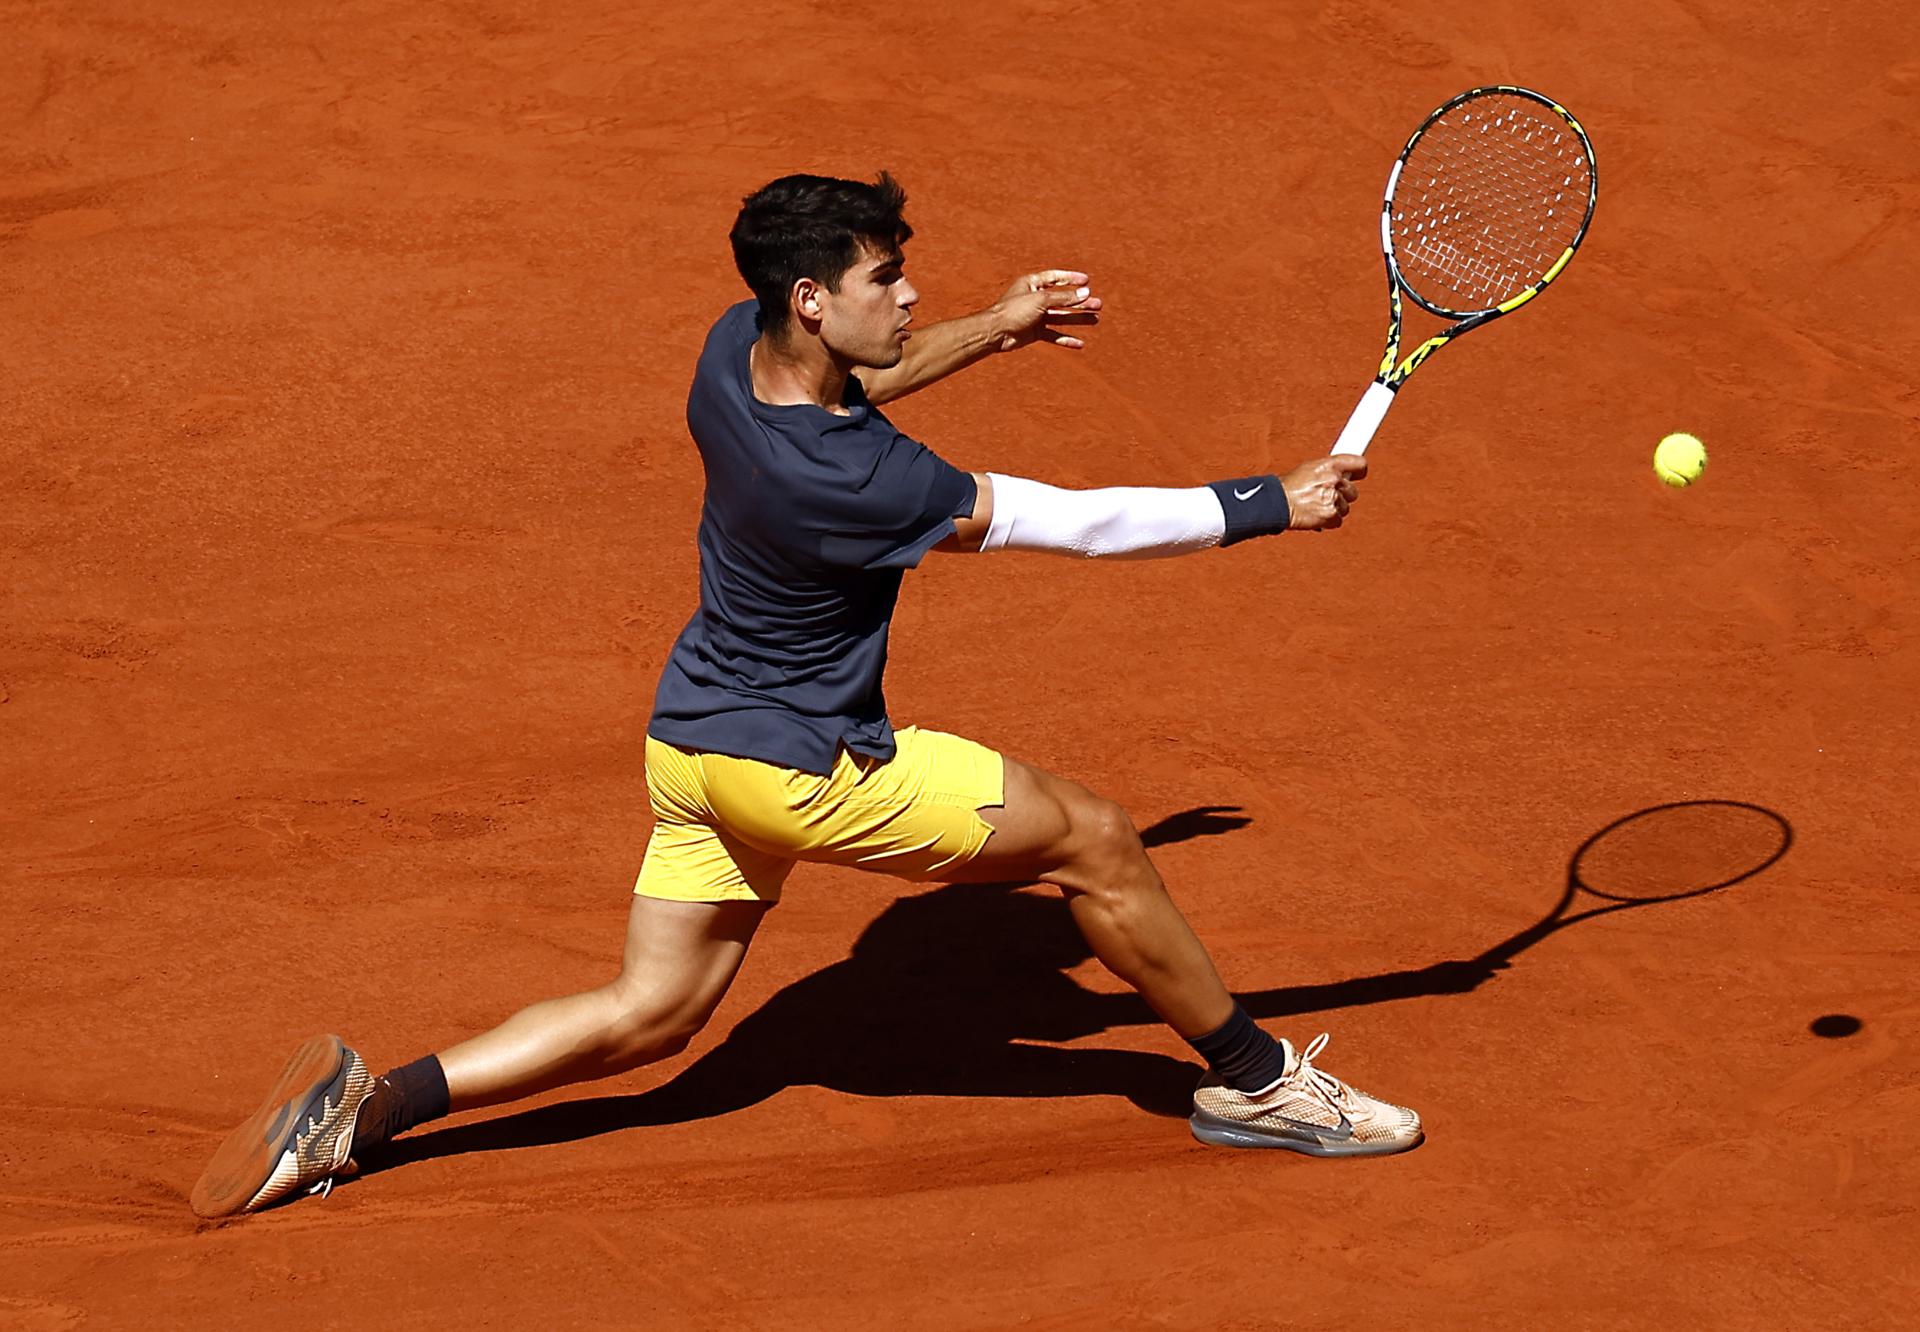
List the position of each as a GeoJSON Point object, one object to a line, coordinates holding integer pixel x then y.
{"type": "Point", "coordinates": [644, 1025]}
{"type": "Point", "coordinates": [1104, 843]}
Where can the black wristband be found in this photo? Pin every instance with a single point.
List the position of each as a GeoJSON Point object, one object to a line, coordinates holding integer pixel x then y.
{"type": "Point", "coordinates": [1254, 505]}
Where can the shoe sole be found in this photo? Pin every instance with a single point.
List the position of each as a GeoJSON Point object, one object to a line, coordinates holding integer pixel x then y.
{"type": "Point", "coordinates": [319, 1095]}
{"type": "Point", "coordinates": [1218, 1132]}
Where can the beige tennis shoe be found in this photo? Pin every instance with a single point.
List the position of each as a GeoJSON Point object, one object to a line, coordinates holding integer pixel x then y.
{"type": "Point", "coordinates": [1308, 1110]}
{"type": "Point", "coordinates": [301, 1137]}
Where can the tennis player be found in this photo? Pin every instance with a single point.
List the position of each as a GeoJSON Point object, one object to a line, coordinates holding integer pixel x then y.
{"type": "Point", "coordinates": [770, 741]}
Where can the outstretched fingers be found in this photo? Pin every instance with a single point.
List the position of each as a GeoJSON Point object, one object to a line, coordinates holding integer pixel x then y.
{"type": "Point", "coordinates": [1054, 277]}
{"type": "Point", "coordinates": [1044, 306]}
{"type": "Point", "coordinates": [1070, 301]}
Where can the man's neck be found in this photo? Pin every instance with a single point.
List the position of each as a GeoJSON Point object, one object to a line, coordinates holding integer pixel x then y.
{"type": "Point", "coordinates": [800, 371]}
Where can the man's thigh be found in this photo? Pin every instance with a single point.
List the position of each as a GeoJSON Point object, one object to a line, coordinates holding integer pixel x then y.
{"type": "Point", "coordinates": [685, 954]}
{"type": "Point", "coordinates": [692, 855]}
{"type": "Point", "coordinates": [943, 808]}
{"type": "Point", "coordinates": [706, 863]}
{"type": "Point", "coordinates": [915, 816]}
{"type": "Point", "coordinates": [1036, 828]}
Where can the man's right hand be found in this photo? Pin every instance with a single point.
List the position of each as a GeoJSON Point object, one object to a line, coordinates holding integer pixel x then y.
{"type": "Point", "coordinates": [1030, 308]}
{"type": "Point", "coordinates": [1320, 492]}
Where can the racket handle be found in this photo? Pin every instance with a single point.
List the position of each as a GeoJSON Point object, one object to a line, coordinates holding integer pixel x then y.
{"type": "Point", "coordinates": [1366, 418]}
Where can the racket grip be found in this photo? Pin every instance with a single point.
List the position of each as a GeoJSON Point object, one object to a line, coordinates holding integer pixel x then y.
{"type": "Point", "coordinates": [1366, 418]}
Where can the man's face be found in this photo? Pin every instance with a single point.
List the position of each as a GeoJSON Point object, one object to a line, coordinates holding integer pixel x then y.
{"type": "Point", "coordinates": [865, 322]}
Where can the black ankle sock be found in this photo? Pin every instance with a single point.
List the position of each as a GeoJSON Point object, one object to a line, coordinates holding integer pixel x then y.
{"type": "Point", "coordinates": [1245, 1057]}
{"type": "Point", "coordinates": [412, 1094]}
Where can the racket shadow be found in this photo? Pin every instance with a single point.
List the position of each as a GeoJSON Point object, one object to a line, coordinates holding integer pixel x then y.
{"type": "Point", "coordinates": [1654, 856]}
{"type": "Point", "coordinates": [964, 991]}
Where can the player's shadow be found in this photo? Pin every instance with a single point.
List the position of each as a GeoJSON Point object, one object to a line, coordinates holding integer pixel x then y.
{"type": "Point", "coordinates": [939, 997]}
{"type": "Point", "coordinates": [946, 991]}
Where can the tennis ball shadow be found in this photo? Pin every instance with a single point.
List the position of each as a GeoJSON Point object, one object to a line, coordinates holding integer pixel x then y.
{"type": "Point", "coordinates": [1835, 1026]}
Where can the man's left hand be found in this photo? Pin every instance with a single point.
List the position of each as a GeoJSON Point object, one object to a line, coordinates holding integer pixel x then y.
{"type": "Point", "coordinates": [1041, 307]}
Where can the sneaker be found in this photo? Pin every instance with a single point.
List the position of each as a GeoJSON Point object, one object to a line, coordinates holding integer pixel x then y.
{"type": "Point", "coordinates": [1308, 1110]}
{"type": "Point", "coordinates": [299, 1139]}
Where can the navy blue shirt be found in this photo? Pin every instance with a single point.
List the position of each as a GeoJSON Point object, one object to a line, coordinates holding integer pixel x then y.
{"type": "Point", "coordinates": [810, 520]}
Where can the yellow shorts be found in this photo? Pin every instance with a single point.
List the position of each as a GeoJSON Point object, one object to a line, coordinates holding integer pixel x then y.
{"type": "Point", "coordinates": [731, 829]}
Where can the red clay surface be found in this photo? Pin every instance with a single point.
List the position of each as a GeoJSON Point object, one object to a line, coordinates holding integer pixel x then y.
{"type": "Point", "coordinates": [346, 516]}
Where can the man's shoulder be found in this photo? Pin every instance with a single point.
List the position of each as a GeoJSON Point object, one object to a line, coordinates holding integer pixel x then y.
{"type": "Point", "coordinates": [737, 325]}
{"type": "Point", "coordinates": [718, 374]}
{"type": "Point", "coordinates": [732, 333]}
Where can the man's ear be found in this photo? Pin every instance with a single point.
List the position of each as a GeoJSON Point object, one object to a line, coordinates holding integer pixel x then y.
{"type": "Point", "coordinates": [806, 298]}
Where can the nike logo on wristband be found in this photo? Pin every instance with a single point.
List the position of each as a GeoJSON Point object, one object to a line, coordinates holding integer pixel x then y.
{"type": "Point", "coordinates": [1249, 494]}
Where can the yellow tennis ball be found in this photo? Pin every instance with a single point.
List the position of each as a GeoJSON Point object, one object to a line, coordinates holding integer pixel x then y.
{"type": "Point", "coordinates": [1679, 459]}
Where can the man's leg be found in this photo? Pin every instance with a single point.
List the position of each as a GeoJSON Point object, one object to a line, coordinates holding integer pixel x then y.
{"type": "Point", "coordinates": [680, 958]}
{"type": "Point", "coordinates": [1259, 1092]}
{"type": "Point", "coordinates": [1061, 833]}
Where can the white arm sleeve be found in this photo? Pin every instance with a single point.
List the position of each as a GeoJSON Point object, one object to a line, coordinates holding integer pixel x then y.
{"type": "Point", "coordinates": [1119, 523]}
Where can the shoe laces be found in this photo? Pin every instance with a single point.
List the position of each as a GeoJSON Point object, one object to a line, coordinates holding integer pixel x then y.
{"type": "Point", "coordinates": [1329, 1088]}
{"type": "Point", "coordinates": [324, 1185]}
{"type": "Point", "coordinates": [314, 1122]}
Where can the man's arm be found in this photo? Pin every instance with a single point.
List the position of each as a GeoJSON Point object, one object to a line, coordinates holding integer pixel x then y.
{"type": "Point", "coordinates": [1027, 313]}
{"type": "Point", "coordinates": [1134, 523]}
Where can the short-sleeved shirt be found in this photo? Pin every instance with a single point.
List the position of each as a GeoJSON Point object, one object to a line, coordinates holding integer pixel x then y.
{"type": "Point", "coordinates": [810, 520]}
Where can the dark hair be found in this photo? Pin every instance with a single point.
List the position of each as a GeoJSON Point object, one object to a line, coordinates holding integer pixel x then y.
{"type": "Point", "coordinates": [812, 227]}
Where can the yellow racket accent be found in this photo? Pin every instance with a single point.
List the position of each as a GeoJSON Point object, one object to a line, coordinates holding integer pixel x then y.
{"type": "Point", "coordinates": [1516, 302]}
{"type": "Point", "coordinates": [1426, 349]}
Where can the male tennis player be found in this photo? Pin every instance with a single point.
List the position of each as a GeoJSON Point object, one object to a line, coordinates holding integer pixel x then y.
{"type": "Point", "coordinates": [770, 741]}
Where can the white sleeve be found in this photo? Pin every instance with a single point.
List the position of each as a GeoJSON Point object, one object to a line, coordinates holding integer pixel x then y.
{"type": "Point", "coordinates": [1120, 522]}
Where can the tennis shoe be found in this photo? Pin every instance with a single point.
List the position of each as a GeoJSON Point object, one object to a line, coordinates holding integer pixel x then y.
{"type": "Point", "coordinates": [1308, 1110]}
{"type": "Point", "coordinates": [300, 1138]}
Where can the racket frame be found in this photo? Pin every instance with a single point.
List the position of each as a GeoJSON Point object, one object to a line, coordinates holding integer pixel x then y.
{"type": "Point", "coordinates": [1372, 407]}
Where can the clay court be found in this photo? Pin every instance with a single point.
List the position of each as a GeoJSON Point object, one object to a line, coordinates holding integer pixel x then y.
{"type": "Point", "coordinates": [347, 515]}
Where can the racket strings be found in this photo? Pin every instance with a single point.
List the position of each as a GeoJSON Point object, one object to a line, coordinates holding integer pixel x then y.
{"type": "Point", "coordinates": [1503, 190]}
{"type": "Point", "coordinates": [1490, 196]}
{"type": "Point", "coordinates": [1481, 229]}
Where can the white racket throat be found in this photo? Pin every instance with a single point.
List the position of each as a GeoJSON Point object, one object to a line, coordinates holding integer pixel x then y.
{"type": "Point", "coordinates": [1365, 421]}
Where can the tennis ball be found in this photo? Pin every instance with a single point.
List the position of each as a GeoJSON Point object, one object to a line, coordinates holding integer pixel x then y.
{"type": "Point", "coordinates": [1679, 459]}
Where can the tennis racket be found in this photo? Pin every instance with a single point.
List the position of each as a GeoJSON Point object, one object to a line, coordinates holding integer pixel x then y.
{"type": "Point", "coordinates": [1485, 206]}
